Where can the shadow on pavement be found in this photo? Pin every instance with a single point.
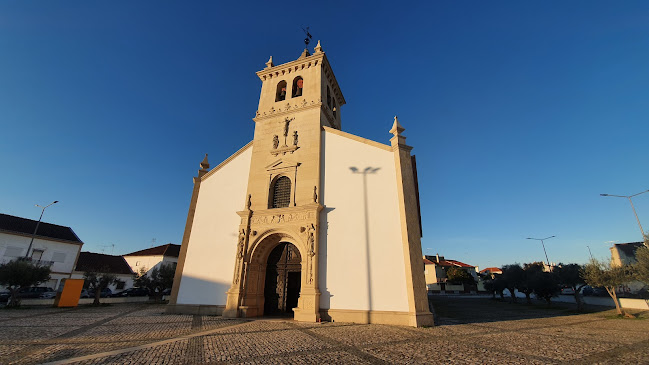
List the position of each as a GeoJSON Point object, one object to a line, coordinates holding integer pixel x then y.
{"type": "Point", "coordinates": [458, 309]}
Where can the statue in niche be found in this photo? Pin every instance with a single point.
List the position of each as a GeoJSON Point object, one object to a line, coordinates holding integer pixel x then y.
{"type": "Point", "coordinates": [295, 138]}
{"type": "Point", "coordinates": [242, 240]}
{"type": "Point", "coordinates": [275, 142]}
{"type": "Point", "coordinates": [311, 240]}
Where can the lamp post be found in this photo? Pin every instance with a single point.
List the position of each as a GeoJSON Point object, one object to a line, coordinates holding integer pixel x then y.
{"type": "Point", "coordinates": [591, 254]}
{"type": "Point", "coordinates": [38, 224]}
{"type": "Point", "coordinates": [542, 244]}
{"type": "Point", "coordinates": [632, 207]}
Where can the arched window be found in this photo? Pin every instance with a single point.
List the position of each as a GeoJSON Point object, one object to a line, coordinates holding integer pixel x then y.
{"type": "Point", "coordinates": [328, 98]}
{"type": "Point", "coordinates": [281, 192]}
{"type": "Point", "coordinates": [281, 91]}
{"type": "Point", "coordinates": [298, 83]}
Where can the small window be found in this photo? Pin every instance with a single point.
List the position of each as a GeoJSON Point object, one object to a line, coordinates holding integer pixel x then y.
{"type": "Point", "coordinates": [58, 257]}
{"type": "Point", "coordinates": [298, 84]}
{"type": "Point", "coordinates": [328, 97]}
{"type": "Point", "coordinates": [281, 91]}
{"type": "Point", "coordinates": [281, 192]}
{"type": "Point", "coordinates": [13, 251]}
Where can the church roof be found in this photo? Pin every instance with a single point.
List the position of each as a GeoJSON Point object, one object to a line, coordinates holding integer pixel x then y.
{"type": "Point", "coordinates": [12, 224]}
{"type": "Point", "coordinates": [101, 263]}
{"type": "Point", "coordinates": [169, 250]}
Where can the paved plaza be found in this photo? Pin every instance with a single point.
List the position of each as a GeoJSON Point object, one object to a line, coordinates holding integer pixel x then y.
{"type": "Point", "coordinates": [470, 331]}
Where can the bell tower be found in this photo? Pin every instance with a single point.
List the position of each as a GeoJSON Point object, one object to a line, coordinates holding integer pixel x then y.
{"type": "Point", "coordinates": [282, 203]}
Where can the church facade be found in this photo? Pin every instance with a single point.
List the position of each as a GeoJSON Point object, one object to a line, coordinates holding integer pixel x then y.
{"type": "Point", "coordinates": [305, 220]}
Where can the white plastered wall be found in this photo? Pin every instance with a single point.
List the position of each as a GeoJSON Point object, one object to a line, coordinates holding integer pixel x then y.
{"type": "Point", "coordinates": [361, 253]}
{"type": "Point", "coordinates": [209, 264]}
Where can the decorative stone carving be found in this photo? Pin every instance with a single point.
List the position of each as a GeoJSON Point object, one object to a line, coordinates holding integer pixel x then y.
{"type": "Point", "coordinates": [275, 141]}
{"type": "Point", "coordinates": [282, 218]}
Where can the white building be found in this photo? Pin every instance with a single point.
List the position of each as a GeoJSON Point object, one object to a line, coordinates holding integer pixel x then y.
{"type": "Point", "coordinates": [54, 245]}
{"type": "Point", "coordinates": [305, 219]}
{"type": "Point", "coordinates": [153, 257]}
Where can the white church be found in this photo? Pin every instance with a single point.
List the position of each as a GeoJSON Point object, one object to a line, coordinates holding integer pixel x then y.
{"type": "Point", "coordinates": [305, 220]}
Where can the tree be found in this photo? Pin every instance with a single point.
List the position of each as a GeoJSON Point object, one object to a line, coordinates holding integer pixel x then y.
{"type": "Point", "coordinates": [456, 275]}
{"type": "Point", "coordinates": [97, 282]}
{"type": "Point", "coordinates": [513, 276]}
{"type": "Point", "coordinates": [494, 284]}
{"type": "Point", "coordinates": [569, 276]}
{"type": "Point", "coordinates": [546, 285]}
{"type": "Point", "coordinates": [641, 267]}
{"type": "Point", "coordinates": [598, 273]}
{"type": "Point", "coordinates": [18, 274]}
{"type": "Point", "coordinates": [530, 280]}
{"type": "Point", "coordinates": [160, 278]}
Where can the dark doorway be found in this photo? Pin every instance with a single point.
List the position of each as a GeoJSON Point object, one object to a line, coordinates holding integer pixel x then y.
{"type": "Point", "coordinates": [283, 280]}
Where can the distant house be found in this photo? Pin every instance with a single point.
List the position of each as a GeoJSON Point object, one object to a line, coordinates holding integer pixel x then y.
{"type": "Point", "coordinates": [624, 253]}
{"type": "Point", "coordinates": [55, 246]}
{"type": "Point", "coordinates": [105, 264]}
{"type": "Point", "coordinates": [153, 257]}
{"type": "Point", "coordinates": [491, 270]}
{"type": "Point", "coordinates": [436, 280]}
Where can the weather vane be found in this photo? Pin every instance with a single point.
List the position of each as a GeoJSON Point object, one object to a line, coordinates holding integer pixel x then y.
{"type": "Point", "coordinates": [308, 37]}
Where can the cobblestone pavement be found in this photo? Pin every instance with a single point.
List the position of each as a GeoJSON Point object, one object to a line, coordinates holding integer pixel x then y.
{"type": "Point", "coordinates": [468, 331]}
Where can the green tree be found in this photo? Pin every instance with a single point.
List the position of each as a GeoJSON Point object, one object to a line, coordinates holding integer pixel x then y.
{"type": "Point", "coordinates": [530, 279]}
{"type": "Point", "coordinates": [641, 267]}
{"type": "Point", "coordinates": [18, 274]}
{"type": "Point", "coordinates": [546, 285]}
{"type": "Point", "coordinates": [569, 275]}
{"type": "Point", "coordinates": [97, 282]}
{"type": "Point", "coordinates": [494, 284]}
{"type": "Point", "coordinates": [160, 278]}
{"type": "Point", "coordinates": [456, 275]}
{"type": "Point", "coordinates": [513, 277]}
{"type": "Point", "coordinates": [598, 273]}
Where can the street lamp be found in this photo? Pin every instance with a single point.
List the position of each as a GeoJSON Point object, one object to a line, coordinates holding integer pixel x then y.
{"type": "Point", "coordinates": [38, 224]}
{"type": "Point", "coordinates": [542, 244]}
{"type": "Point", "coordinates": [632, 207]}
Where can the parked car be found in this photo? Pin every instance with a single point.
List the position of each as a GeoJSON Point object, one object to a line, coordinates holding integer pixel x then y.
{"type": "Point", "coordinates": [567, 291]}
{"type": "Point", "coordinates": [166, 291]}
{"type": "Point", "coordinates": [597, 292]}
{"type": "Point", "coordinates": [133, 292]}
{"type": "Point", "coordinates": [48, 295]}
{"type": "Point", "coordinates": [35, 292]}
{"type": "Point", "coordinates": [84, 294]}
{"type": "Point", "coordinates": [4, 296]}
{"type": "Point", "coordinates": [105, 293]}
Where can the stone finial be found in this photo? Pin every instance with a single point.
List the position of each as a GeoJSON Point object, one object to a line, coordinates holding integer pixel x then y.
{"type": "Point", "coordinates": [205, 164]}
{"type": "Point", "coordinates": [270, 63]}
{"type": "Point", "coordinates": [318, 48]}
{"type": "Point", "coordinates": [304, 54]}
{"type": "Point", "coordinates": [396, 127]}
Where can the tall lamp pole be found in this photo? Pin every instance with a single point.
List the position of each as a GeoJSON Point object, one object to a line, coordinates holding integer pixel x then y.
{"type": "Point", "coordinates": [632, 207]}
{"type": "Point", "coordinates": [38, 224]}
{"type": "Point", "coordinates": [542, 244]}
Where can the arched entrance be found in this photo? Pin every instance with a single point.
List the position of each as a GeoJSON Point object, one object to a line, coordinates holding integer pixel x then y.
{"type": "Point", "coordinates": [283, 280]}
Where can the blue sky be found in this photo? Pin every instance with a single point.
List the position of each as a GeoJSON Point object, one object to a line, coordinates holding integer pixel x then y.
{"type": "Point", "coordinates": [520, 113]}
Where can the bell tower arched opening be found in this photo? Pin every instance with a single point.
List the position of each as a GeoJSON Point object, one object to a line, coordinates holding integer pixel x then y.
{"type": "Point", "coordinates": [283, 280]}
